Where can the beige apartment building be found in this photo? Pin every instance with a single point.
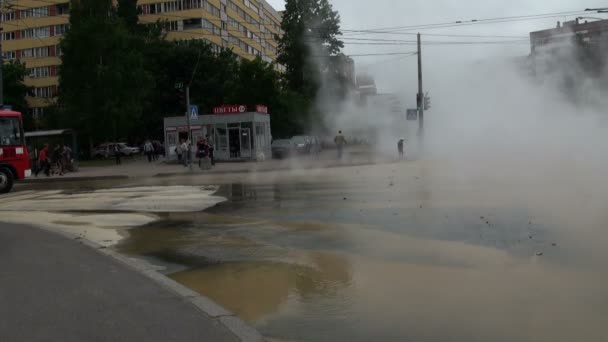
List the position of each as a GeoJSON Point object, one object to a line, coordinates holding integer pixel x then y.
{"type": "Point", "coordinates": [32, 29]}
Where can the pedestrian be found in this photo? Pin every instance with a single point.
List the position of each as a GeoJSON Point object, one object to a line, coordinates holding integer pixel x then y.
{"type": "Point", "coordinates": [43, 161]}
{"type": "Point", "coordinates": [57, 160]}
{"type": "Point", "coordinates": [186, 152]}
{"type": "Point", "coordinates": [179, 151]}
{"type": "Point", "coordinates": [202, 152]}
{"type": "Point", "coordinates": [211, 150]}
{"type": "Point", "coordinates": [117, 154]}
{"type": "Point", "coordinates": [66, 156]}
{"type": "Point", "coordinates": [340, 142]}
{"type": "Point", "coordinates": [149, 150]}
{"type": "Point", "coordinates": [155, 150]}
{"type": "Point", "coordinates": [400, 148]}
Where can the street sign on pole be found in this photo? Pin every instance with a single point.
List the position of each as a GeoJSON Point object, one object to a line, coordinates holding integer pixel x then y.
{"type": "Point", "coordinates": [193, 112]}
{"type": "Point", "coordinates": [412, 114]}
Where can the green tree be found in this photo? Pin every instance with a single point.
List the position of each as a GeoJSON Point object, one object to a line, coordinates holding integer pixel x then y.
{"type": "Point", "coordinates": [127, 10]}
{"type": "Point", "coordinates": [311, 35]}
{"type": "Point", "coordinates": [103, 83]}
{"type": "Point", "coordinates": [258, 82]}
{"type": "Point", "coordinates": [15, 91]}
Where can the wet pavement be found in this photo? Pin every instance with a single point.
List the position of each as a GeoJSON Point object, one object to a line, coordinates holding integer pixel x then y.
{"type": "Point", "coordinates": [420, 251]}
{"type": "Point", "coordinates": [392, 253]}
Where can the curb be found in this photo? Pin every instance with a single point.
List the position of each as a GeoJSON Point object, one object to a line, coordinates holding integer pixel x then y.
{"type": "Point", "coordinates": [209, 308]}
{"type": "Point", "coordinates": [69, 179]}
{"type": "Point", "coordinates": [247, 171]}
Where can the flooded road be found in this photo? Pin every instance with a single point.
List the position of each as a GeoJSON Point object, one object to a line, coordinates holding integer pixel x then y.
{"type": "Point", "coordinates": [398, 253]}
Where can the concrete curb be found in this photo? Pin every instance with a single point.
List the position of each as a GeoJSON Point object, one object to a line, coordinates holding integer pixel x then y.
{"type": "Point", "coordinates": [311, 167]}
{"type": "Point", "coordinates": [208, 307]}
{"type": "Point", "coordinates": [69, 179]}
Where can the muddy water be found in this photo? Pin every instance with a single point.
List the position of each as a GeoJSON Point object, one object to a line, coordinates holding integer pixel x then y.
{"type": "Point", "coordinates": [397, 253]}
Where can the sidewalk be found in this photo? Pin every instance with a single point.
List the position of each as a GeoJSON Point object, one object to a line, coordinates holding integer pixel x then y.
{"type": "Point", "coordinates": [57, 289]}
{"type": "Point", "coordinates": [141, 168]}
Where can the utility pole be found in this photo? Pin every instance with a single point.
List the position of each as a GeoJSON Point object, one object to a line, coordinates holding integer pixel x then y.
{"type": "Point", "coordinates": [1, 56]}
{"type": "Point", "coordinates": [420, 97]}
{"type": "Point", "coordinates": [189, 127]}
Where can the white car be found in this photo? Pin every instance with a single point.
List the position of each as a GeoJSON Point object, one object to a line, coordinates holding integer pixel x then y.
{"type": "Point", "coordinates": [107, 150]}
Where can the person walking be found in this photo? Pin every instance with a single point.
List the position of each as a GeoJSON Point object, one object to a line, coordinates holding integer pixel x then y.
{"type": "Point", "coordinates": [43, 161]}
{"type": "Point", "coordinates": [117, 154]}
{"type": "Point", "coordinates": [202, 152]}
{"type": "Point", "coordinates": [57, 160]}
{"type": "Point", "coordinates": [186, 152]}
{"type": "Point", "coordinates": [149, 150]}
{"type": "Point", "coordinates": [340, 142]}
{"type": "Point", "coordinates": [211, 150]}
{"type": "Point", "coordinates": [400, 149]}
{"type": "Point", "coordinates": [179, 151]}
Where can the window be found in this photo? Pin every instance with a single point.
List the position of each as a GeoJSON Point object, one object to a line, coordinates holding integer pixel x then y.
{"type": "Point", "coordinates": [190, 24]}
{"type": "Point", "coordinates": [36, 52]}
{"type": "Point", "coordinates": [40, 72]}
{"type": "Point", "coordinates": [8, 16]}
{"type": "Point", "coordinates": [211, 9]}
{"type": "Point", "coordinates": [8, 55]}
{"type": "Point", "coordinates": [251, 6]}
{"type": "Point", "coordinates": [10, 131]}
{"type": "Point", "coordinates": [38, 12]}
{"type": "Point", "coordinates": [43, 92]}
{"type": "Point", "coordinates": [37, 32]}
{"type": "Point", "coordinates": [37, 112]}
{"type": "Point", "coordinates": [61, 29]}
{"type": "Point", "coordinates": [63, 9]}
{"type": "Point", "coordinates": [8, 36]}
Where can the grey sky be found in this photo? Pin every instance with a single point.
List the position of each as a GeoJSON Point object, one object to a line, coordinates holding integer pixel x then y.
{"type": "Point", "coordinates": [361, 14]}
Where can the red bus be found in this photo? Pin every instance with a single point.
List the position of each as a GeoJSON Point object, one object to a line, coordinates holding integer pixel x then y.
{"type": "Point", "coordinates": [14, 157]}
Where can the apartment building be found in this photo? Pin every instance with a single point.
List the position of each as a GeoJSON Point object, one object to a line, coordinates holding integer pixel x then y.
{"type": "Point", "coordinates": [32, 29]}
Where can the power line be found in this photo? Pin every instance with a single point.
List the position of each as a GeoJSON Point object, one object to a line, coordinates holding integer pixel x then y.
{"type": "Point", "coordinates": [395, 29]}
{"type": "Point", "coordinates": [367, 66]}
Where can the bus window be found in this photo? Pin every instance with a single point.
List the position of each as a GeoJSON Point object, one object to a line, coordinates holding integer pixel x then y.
{"type": "Point", "coordinates": [10, 132]}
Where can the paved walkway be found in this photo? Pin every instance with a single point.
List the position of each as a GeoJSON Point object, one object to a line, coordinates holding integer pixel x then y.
{"type": "Point", "coordinates": [141, 167]}
{"type": "Point", "coordinates": [56, 289]}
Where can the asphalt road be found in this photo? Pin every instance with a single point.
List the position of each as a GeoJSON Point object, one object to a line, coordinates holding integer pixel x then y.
{"type": "Point", "coordinates": [56, 289]}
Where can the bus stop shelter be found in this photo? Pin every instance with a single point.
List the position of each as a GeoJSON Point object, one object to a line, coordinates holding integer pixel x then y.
{"type": "Point", "coordinates": [235, 133]}
{"type": "Point", "coordinates": [36, 139]}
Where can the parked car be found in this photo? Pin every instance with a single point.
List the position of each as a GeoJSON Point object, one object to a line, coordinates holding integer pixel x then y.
{"type": "Point", "coordinates": [107, 150]}
{"type": "Point", "coordinates": [282, 148]}
{"type": "Point", "coordinates": [302, 144]}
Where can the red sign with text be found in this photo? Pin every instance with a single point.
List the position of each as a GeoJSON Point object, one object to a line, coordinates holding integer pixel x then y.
{"type": "Point", "coordinates": [261, 109]}
{"type": "Point", "coordinates": [229, 109]}
{"type": "Point", "coordinates": [238, 109]}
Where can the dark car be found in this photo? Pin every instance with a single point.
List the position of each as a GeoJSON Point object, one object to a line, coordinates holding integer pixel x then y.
{"type": "Point", "coordinates": [282, 148]}
{"type": "Point", "coordinates": [302, 144]}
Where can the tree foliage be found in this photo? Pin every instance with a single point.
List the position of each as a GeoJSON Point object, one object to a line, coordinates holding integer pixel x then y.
{"type": "Point", "coordinates": [311, 29]}
{"type": "Point", "coordinates": [102, 81]}
{"type": "Point", "coordinates": [15, 91]}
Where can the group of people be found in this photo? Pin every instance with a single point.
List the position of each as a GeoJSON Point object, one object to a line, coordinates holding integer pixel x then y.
{"type": "Point", "coordinates": [204, 152]}
{"type": "Point", "coordinates": [57, 161]}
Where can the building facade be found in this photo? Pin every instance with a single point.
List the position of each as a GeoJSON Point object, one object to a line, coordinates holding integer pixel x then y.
{"type": "Point", "coordinates": [594, 33]}
{"type": "Point", "coordinates": [32, 30]}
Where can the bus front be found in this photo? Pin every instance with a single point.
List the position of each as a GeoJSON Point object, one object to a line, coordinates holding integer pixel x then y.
{"type": "Point", "coordinates": [14, 157]}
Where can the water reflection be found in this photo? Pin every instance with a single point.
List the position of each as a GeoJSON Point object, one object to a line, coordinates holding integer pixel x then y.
{"type": "Point", "coordinates": [328, 262]}
{"type": "Point", "coordinates": [256, 290]}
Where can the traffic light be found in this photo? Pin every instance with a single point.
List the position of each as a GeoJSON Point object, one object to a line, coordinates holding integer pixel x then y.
{"type": "Point", "coordinates": [427, 102]}
{"type": "Point", "coordinates": [418, 101]}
